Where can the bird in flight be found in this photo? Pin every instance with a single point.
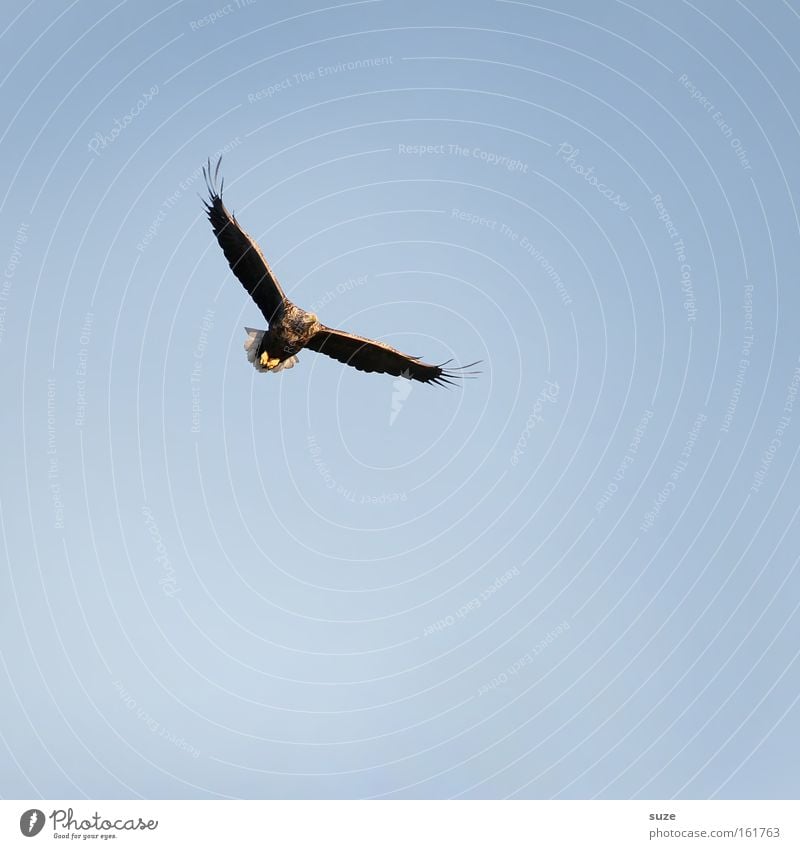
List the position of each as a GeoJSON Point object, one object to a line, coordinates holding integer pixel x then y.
{"type": "Point", "coordinates": [291, 328]}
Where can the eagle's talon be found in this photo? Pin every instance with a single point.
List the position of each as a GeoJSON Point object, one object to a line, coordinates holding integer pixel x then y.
{"type": "Point", "coordinates": [268, 362]}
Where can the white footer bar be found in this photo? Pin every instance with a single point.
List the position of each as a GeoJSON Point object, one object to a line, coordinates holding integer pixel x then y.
{"type": "Point", "coordinates": [402, 824]}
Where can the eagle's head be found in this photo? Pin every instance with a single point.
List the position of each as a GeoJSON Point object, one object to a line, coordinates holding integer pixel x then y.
{"type": "Point", "coordinates": [311, 325]}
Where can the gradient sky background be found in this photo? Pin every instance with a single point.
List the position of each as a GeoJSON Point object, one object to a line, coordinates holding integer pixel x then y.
{"type": "Point", "coordinates": [574, 577]}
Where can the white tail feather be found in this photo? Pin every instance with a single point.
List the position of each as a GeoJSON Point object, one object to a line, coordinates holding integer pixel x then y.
{"type": "Point", "coordinates": [290, 363]}
{"type": "Point", "coordinates": [251, 346]}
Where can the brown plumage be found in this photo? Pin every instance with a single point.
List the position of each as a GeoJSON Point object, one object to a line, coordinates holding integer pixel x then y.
{"type": "Point", "coordinates": [291, 328]}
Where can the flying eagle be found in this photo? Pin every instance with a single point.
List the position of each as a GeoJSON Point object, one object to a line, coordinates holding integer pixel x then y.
{"type": "Point", "coordinates": [291, 328]}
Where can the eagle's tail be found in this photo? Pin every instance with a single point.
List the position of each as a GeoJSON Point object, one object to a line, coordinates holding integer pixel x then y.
{"type": "Point", "coordinates": [251, 346]}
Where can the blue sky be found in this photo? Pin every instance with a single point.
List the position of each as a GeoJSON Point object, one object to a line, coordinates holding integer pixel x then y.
{"type": "Point", "coordinates": [573, 577]}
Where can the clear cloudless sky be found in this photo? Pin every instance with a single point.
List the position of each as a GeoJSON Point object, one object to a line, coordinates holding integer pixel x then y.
{"type": "Point", "coordinates": [575, 576]}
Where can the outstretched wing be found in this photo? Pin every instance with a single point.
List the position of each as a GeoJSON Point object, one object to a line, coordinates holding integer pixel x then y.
{"type": "Point", "coordinates": [243, 254]}
{"type": "Point", "coordinates": [369, 355]}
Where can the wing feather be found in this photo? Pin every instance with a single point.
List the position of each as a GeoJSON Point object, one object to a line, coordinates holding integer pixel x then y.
{"type": "Point", "coordinates": [371, 356]}
{"type": "Point", "coordinates": [243, 254]}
